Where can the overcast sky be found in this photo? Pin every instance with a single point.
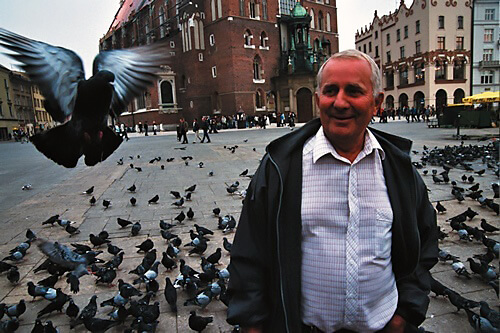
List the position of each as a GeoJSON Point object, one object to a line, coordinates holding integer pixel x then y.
{"type": "Point", "coordinates": [78, 24]}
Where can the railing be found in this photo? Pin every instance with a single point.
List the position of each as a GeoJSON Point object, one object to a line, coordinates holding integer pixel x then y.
{"type": "Point", "coordinates": [489, 64]}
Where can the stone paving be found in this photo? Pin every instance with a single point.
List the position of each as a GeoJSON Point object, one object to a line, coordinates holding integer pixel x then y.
{"type": "Point", "coordinates": [111, 180]}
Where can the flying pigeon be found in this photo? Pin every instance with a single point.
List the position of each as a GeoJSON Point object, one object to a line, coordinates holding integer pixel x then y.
{"type": "Point", "coordinates": [83, 106]}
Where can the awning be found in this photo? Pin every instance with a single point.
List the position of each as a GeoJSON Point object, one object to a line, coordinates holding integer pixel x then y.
{"type": "Point", "coordinates": [485, 97]}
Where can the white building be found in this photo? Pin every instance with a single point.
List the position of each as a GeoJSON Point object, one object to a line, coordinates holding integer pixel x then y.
{"type": "Point", "coordinates": [423, 52]}
{"type": "Point", "coordinates": [486, 30]}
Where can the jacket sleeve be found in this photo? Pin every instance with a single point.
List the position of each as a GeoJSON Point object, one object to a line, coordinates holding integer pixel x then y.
{"type": "Point", "coordinates": [248, 267]}
{"type": "Point", "coordinates": [413, 289]}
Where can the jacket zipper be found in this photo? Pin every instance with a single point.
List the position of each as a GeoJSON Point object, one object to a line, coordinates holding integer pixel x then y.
{"type": "Point", "coordinates": [278, 242]}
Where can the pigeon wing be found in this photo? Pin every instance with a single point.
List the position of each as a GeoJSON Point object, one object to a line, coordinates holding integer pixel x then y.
{"type": "Point", "coordinates": [56, 70]}
{"type": "Point", "coordinates": [134, 69]}
{"type": "Point", "coordinates": [60, 254]}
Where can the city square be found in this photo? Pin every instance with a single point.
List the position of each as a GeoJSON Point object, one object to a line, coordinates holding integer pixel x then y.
{"type": "Point", "coordinates": [55, 190]}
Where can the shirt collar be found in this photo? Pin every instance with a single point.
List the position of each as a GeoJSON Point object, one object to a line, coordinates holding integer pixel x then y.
{"type": "Point", "coordinates": [323, 147]}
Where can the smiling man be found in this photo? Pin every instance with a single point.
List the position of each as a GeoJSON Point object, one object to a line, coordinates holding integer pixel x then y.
{"type": "Point", "coordinates": [337, 233]}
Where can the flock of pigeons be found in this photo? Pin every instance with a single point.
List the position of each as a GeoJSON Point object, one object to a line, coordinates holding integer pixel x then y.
{"type": "Point", "coordinates": [135, 305]}
{"type": "Point", "coordinates": [482, 266]}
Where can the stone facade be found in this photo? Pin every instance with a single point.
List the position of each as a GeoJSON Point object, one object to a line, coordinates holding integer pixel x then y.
{"type": "Point", "coordinates": [423, 52]}
{"type": "Point", "coordinates": [8, 116]}
{"type": "Point", "coordinates": [486, 55]}
{"type": "Point", "coordinates": [225, 55]}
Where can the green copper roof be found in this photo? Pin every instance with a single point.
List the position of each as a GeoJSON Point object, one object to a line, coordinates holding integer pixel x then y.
{"type": "Point", "coordinates": [298, 10]}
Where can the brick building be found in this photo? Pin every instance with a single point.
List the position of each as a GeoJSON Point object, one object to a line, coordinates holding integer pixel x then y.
{"type": "Point", "coordinates": [259, 56]}
{"type": "Point", "coordinates": [423, 51]}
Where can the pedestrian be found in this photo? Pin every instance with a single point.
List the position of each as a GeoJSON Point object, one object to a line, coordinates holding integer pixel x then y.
{"type": "Point", "coordinates": [406, 111]}
{"type": "Point", "coordinates": [336, 233]}
{"type": "Point", "coordinates": [124, 131]}
{"type": "Point", "coordinates": [196, 130]}
{"type": "Point", "coordinates": [145, 128]}
{"type": "Point", "coordinates": [292, 119]}
{"type": "Point", "coordinates": [140, 127]}
{"type": "Point", "coordinates": [155, 128]}
{"type": "Point", "coordinates": [183, 125]}
{"type": "Point", "coordinates": [204, 127]}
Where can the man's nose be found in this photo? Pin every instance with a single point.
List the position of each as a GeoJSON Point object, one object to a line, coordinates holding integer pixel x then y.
{"type": "Point", "coordinates": [340, 101]}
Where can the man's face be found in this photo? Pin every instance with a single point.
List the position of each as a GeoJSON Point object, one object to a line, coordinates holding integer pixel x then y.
{"type": "Point", "coordinates": [345, 100]}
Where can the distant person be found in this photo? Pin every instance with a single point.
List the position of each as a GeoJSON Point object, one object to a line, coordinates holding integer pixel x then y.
{"type": "Point", "coordinates": [204, 127]}
{"type": "Point", "coordinates": [196, 130]}
{"type": "Point", "coordinates": [183, 125]}
{"type": "Point", "coordinates": [155, 128]}
{"type": "Point", "coordinates": [145, 128]}
{"type": "Point", "coordinates": [140, 127]}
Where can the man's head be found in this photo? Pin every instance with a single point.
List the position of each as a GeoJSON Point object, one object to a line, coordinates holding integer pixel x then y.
{"type": "Point", "coordinates": [348, 95]}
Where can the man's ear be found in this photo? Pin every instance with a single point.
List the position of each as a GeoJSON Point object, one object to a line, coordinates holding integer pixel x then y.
{"type": "Point", "coordinates": [316, 98]}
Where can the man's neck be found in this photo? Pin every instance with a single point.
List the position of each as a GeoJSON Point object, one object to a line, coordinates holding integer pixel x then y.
{"type": "Point", "coordinates": [349, 149]}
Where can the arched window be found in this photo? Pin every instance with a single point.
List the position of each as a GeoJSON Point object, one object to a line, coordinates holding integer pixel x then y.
{"type": "Point", "coordinates": [253, 9]}
{"type": "Point", "coordinates": [321, 24]}
{"type": "Point", "coordinates": [212, 8]}
{"type": "Point", "coordinates": [219, 8]}
{"type": "Point", "coordinates": [259, 99]}
{"type": "Point", "coordinates": [248, 37]}
{"type": "Point", "coordinates": [202, 35]}
{"type": "Point", "coordinates": [264, 9]}
{"type": "Point", "coordinates": [263, 39]}
{"type": "Point", "coordinates": [327, 47]}
{"type": "Point", "coordinates": [312, 18]}
{"type": "Point", "coordinates": [257, 68]}
{"type": "Point", "coordinates": [328, 22]}
{"type": "Point", "coordinates": [458, 95]}
{"type": "Point", "coordinates": [163, 30]}
{"type": "Point", "coordinates": [317, 45]}
{"type": "Point", "coordinates": [167, 96]}
{"type": "Point", "coordinates": [196, 34]}
{"type": "Point", "coordinates": [242, 7]}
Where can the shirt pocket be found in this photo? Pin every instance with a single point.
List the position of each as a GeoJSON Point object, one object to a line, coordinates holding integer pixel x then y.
{"type": "Point", "coordinates": [383, 232]}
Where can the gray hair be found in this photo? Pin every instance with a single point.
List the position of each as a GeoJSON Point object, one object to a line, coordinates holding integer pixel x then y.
{"type": "Point", "coordinates": [354, 54]}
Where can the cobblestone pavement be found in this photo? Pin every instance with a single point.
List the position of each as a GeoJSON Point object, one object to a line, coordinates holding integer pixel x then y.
{"type": "Point", "coordinates": [63, 195]}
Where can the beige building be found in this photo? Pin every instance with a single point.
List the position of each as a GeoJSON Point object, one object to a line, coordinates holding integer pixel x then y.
{"type": "Point", "coordinates": [423, 52]}
{"type": "Point", "coordinates": [8, 117]}
{"type": "Point", "coordinates": [42, 117]}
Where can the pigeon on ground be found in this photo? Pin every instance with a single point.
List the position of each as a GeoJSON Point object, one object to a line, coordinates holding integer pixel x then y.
{"type": "Point", "coordinates": [56, 305]}
{"type": "Point", "coordinates": [98, 241]}
{"type": "Point", "coordinates": [123, 223]}
{"type": "Point", "coordinates": [72, 310]}
{"type": "Point", "coordinates": [216, 211]}
{"type": "Point", "coordinates": [488, 227]}
{"type": "Point", "coordinates": [154, 199]}
{"type": "Point", "coordinates": [72, 230]}
{"type": "Point", "coordinates": [170, 295]}
{"type": "Point", "coordinates": [191, 188]}
{"type": "Point", "coordinates": [198, 323]}
{"type": "Point", "coordinates": [51, 220]}
{"type": "Point", "coordinates": [178, 203]}
{"type": "Point", "coordinates": [13, 275]}
{"type": "Point", "coordinates": [132, 188]}
{"type": "Point", "coordinates": [145, 246]}
{"type": "Point", "coordinates": [83, 105]}
{"type": "Point", "coordinates": [215, 257]}
{"type": "Point", "coordinates": [244, 173]}
{"type": "Point", "coordinates": [106, 203]}
{"type": "Point", "coordinates": [176, 194]}
{"type": "Point", "coordinates": [460, 269]}
{"type": "Point", "coordinates": [133, 201]}
{"type": "Point", "coordinates": [190, 213]}
{"type": "Point", "coordinates": [92, 201]}
{"type": "Point", "coordinates": [227, 245]}
{"type": "Point", "coordinates": [135, 229]}
{"type": "Point", "coordinates": [89, 191]}
{"type": "Point", "coordinates": [179, 218]}
{"type": "Point", "coordinates": [165, 225]}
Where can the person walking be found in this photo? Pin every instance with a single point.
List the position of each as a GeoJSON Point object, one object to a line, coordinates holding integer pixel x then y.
{"type": "Point", "coordinates": [155, 128]}
{"type": "Point", "coordinates": [183, 126]}
{"type": "Point", "coordinates": [140, 127]}
{"type": "Point", "coordinates": [204, 127]}
{"type": "Point", "coordinates": [196, 130]}
{"type": "Point", "coordinates": [336, 233]}
{"type": "Point", "coordinates": [145, 128]}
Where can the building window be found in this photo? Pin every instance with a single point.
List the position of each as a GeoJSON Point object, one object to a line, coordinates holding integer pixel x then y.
{"type": "Point", "coordinates": [419, 72]}
{"type": "Point", "coordinates": [328, 22]}
{"type": "Point", "coordinates": [369, 46]}
{"type": "Point", "coordinates": [313, 24]}
{"type": "Point", "coordinates": [172, 44]}
{"type": "Point", "coordinates": [212, 7]}
{"type": "Point", "coordinates": [459, 70]}
{"type": "Point", "coordinates": [200, 56]}
{"type": "Point", "coordinates": [376, 51]}
{"type": "Point", "coordinates": [488, 35]}
{"type": "Point", "coordinates": [398, 35]}
{"type": "Point", "coordinates": [487, 77]}
{"type": "Point", "coordinates": [321, 24]}
{"type": "Point", "coordinates": [264, 9]}
{"type": "Point", "coordinates": [263, 40]}
{"type": "Point", "coordinates": [489, 14]}
{"type": "Point", "coordinates": [163, 30]}
{"type": "Point", "coordinates": [402, 52]}
{"type": "Point", "coordinates": [259, 99]}
{"type": "Point", "coordinates": [487, 54]}
{"type": "Point", "coordinates": [460, 43]}
{"type": "Point", "coordinates": [364, 48]}
{"type": "Point", "coordinates": [242, 7]}
{"type": "Point", "coordinates": [406, 31]}
{"type": "Point", "coordinates": [441, 43]}
{"type": "Point", "coordinates": [253, 10]}
{"type": "Point", "coordinates": [460, 22]}
{"type": "Point", "coordinates": [376, 34]}
{"type": "Point", "coordinates": [388, 56]}
{"type": "Point", "coordinates": [441, 22]}
{"type": "Point", "coordinates": [248, 37]}
{"type": "Point", "coordinates": [211, 39]}
{"type": "Point", "coordinates": [417, 47]}
{"type": "Point", "coordinates": [388, 39]}
{"type": "Point", "coordinates": [403, 76]}
{"type": "Point", "coordinates": [441, 71]}
{"type": "Point", "coordinates": [257, 68]}
{"type": "Point", "coordinates": [417, 27]}
{"type": "Point", "coordinates": [140, 102]}
{"type": "Point", "coordinates": [214, 71]}
{"type": "Point", "coordinates": [389, 79]}
{"type": "Point", "coordinates": [167, 95]}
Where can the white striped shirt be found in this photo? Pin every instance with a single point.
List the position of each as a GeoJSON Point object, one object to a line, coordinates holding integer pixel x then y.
{"type": "Point", "coordinates": [347, 277]}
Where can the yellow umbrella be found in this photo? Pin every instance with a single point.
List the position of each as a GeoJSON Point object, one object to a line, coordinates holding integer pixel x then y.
{"type": "Point", "coordinates": [485, 97]}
